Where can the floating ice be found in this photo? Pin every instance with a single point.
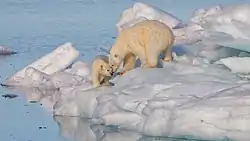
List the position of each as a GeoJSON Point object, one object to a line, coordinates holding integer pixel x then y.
{"type": "Point", "coordinates": [203, 101]}
{"type": "Point", "coordinates": [141, 11]}
{"type": "Point", "coordinates": [236, 64]}
{"type": "Point", "coordinates": [57, 60]}
{"type": "Point", "coordinates": [161, 102]}
{"type": "Point", "coordinates": [233, 20]}
{"type": "Point", "coordinates": [239, 44]}
{"type": "Point", "coordinates": [6, 51]}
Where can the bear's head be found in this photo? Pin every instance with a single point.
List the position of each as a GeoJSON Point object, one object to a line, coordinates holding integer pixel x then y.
{"type": "Point", "coordinates": [106, 70]}
{"type": "Point", "coordinates": [115, 59]}
{"type": "Point", "coordinates": [119, 50]}
{"type": "Point", "coordinates": [114, 62]}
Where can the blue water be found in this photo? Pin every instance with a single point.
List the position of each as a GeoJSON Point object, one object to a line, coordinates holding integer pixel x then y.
{"type": "Point", "coordinates": [35, 27]}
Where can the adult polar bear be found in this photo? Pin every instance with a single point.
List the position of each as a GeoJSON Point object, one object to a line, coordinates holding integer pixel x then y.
{"type": "Point", "coordinates": [145, 40]}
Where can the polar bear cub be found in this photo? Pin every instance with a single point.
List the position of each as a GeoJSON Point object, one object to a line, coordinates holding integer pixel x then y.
{"type": "Point", "coordinates": [146, 40]}
{"type": "Point", "coordinates": [101, 72]}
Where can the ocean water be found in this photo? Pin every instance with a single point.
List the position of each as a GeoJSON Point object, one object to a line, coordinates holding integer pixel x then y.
{"type": "Point", "coordinates": [34, 28]}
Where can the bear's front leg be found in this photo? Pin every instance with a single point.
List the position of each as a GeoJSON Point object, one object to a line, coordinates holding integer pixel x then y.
{"type": "Point", "coordinates": [95, 80]}
{"type": "Point", "coordinates": [129, 63]}
{"type": "Point", "coordinates": [140, 51]}
{"type": "Point", "coordinates": [105, 81]}
{"type": "Point", "coordinates": [96, 84]}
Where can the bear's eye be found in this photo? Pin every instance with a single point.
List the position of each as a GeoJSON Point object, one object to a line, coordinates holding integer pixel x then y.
{"type": "Point", "coordinates": [115, 55]}
{"type": "Point", "coordinates": [108, 70]}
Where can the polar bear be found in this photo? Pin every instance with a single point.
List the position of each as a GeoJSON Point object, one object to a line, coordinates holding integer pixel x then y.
{"type": "Point", "coordinates": [145, 40]}
{"type": "Point", "coordinates": [101, 72]}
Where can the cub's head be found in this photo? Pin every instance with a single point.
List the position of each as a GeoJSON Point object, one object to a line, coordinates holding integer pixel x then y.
{"type": "Point", "coordinates": [106, 70]}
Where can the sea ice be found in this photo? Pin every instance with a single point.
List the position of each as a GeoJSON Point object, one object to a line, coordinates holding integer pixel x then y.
{"type": "Point", "coordinates": [141, 11]}
{"type": "Point", "coordinates": [160, 106]}
{"type": "Point", "coordinates": [240, 44]}
{"type": "Point", "coordinates": [236, 64]}
{"type": "Point", "coordinates": [48, 64]}
{"type": "Point", "coordinates": [166, 101]}
{"type": "Point", "coordinates": [216, 21]}
{"type": "Point", "coordinates": [233, 20]}
{"type": "Point", "coordinates": [145, 101]}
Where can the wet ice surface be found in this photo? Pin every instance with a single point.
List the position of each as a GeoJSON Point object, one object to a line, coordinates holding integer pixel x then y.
{"type": "Point", "coordinates": [34, 28]}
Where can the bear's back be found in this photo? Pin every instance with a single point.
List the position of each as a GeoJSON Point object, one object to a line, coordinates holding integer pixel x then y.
{"type": "Point", "coordinates": [151, 25]}
{"type": "Point", "coordinates": [145, 30]}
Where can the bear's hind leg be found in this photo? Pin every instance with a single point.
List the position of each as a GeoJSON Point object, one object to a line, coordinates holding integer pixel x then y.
{"type": "Point", "coordinates": [152, 55]}
{"type": "Point", "coordinates": [141, 53]}
{"type": "Point", "coordinates": [167, 54]}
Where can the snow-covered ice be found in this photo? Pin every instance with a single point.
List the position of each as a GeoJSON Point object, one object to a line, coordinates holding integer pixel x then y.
{"type": "Point", "coordinates": [186, 98]}
{"type": "Point", "coordinates": [141, 11]}
{"type": "Point", "coordinates": [233, 20]}
{"type": "Point", "coordinates": [166, 101]}
{"type": "Point", "coordinates": [54, 62]}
